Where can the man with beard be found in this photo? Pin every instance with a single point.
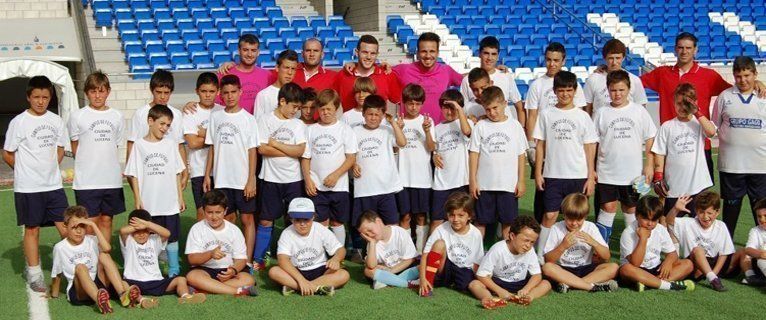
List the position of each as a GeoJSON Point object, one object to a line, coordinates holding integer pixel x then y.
{"type": "Point", "coordinates": [388, 86]}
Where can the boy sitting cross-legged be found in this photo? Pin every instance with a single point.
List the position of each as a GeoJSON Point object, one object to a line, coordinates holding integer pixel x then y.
{"type": "Point", "coordinates": [390, 253]}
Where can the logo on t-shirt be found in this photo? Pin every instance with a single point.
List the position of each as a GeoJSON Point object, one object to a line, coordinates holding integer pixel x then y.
{"type": "Point", "coordinates": [83, 257]}
{"type": "Point", "coordinates": [413, 136]}
{"type": "Point", "coordinates": [685, 142]}
{"type": "Point", "coordinates": [576, 254]}
{"type": "Point", "coordinates": [146, 256]}
{"type": "Point", "coordinates": [305, 257]}
{"type": "Point", "coordinates": [513, 270]}
{"type": "Point", "coordinates": [369, 148]}
{"type": "Point", "coordinates": [392, 257]}
{"type": "Point", "coordinates": [156, 162]}
{"type": "Point", "coordinates": [45, 135]}
{"type": "Point", "coordinates": [449, 140]}
{"type": "Point", "coordinates": [622, 127]}
{"type": "Point", "coordinates": [225, 246]}
{"type": "Point", "coordinates": [284, 135]}
{"type": "Point", "coordinates": [459, 252]}
{"type": "Point", "coordinates": [563, 129]}
{"type": "Point", "coordinates": [706, 244]}
{"type": "Point", "coordinates": [226, 133]}
{"type": "Point", "coordinates": [103, 130]}
{"type": "Point", "coordinates": [746, 123]}
{"type": "Point", "coordinates": [323, 144]}
{"type": "Point", "coordinates": [497, 142]}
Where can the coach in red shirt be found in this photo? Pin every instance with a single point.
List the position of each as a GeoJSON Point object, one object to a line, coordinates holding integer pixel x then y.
{"type": "Point", "coordinates": [310, 73]}
{"type": "Point", "coordinates": [387, 85]}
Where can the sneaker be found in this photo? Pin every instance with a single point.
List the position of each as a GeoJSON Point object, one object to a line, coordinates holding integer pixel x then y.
{"type": "Point", "coordinates": [755, 281]}
{"type": "Point", "coordinates": [377, 285]}
{"type": "Point", "coordinates": [608, 286]}
{"type": "Point", "coordinates": [247, 291]}
{"type": "Point", "coordinates": [685, 285]}
{"type": "Point", "coordinates": [520, 300]}
{"type": "Point", "coordinates": [413, 284]}
{"type": "Point", "coordinates": [256, 267]}
{"type": "Point", "coordinates": [286, 291]}
{"type": "Point", "coordinates": [37, 284]}
{"type": "Point", "coordinates": [356, 256]}
{"type": "Point", "coordinates": [562, 288]}
{"type": "Point", "coordinates": [718, 285]}
{"type": "Point", "coordinates": [102, 301]}
{"type": "Point", "coordinates": [192, 298]}
{"type": "Point", "coordinates": [134, 296]}
{"type": "Point", "coordinates": [149, 303]}
{"type": "Point", "coordinates": [325, 291]}
{"type": "Point", "coordinates": [641, 287]}
{"type": "Point", "coordinates": [493, 303]}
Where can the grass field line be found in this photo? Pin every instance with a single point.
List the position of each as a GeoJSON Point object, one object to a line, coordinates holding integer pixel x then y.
{"type": "Point", "coordinates": [38, 305]}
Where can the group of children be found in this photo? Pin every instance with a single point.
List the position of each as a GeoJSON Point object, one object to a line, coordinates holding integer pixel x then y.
{"type": "Point", "coordinates": [298, 157]}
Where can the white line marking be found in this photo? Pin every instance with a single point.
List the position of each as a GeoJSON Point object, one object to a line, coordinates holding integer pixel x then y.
{"type": "Point", "coordinates": [38, 305]}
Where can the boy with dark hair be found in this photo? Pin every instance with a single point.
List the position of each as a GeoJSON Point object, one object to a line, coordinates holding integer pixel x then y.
{"type": "Point", "coordinates": [754, 261]}
{"type": "Point", "coordinates": [268, 99]}
{"type": "Point", "coordinates": [596, 89]}
{"type": "Point", "coordinates": [479, 80]}
{"type": "Point", "coordinates": [309, 107]}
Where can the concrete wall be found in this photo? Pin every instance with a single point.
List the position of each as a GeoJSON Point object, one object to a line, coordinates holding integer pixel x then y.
{"type": "Point", "coordinates": [363, 15]}
{"type": "Point", "coordinates": [324, 7]}
{"type": "Point", "coordinates": [33, 9]}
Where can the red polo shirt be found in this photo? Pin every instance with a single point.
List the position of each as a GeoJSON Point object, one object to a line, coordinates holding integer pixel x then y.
{"type": "Point", "coordinates": [665, 79]}
{"type": "Point", "coordinates": [387, 86]}
{"type": "Point", "coordinates": [323, 79]}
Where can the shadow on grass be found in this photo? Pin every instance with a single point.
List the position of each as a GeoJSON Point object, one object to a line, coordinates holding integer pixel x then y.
{"type": "Point", "coordinates": [17, 261]}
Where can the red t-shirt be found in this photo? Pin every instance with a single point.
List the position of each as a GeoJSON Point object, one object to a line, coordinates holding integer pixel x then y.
{"type": "Point", "coordinates": [387, 86]}
{"type": "Point", "coordinates": [324, 79]}
{"type": "Point", "coordinates": [665, 79]}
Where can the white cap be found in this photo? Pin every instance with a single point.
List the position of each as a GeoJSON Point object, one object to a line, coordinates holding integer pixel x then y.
{"type": "Point", "coordinates": [301, 208]}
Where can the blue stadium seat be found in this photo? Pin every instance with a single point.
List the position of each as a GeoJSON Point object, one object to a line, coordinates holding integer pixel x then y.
{"type": "Point", "coordinates": [287, 32]}
{"type": "Point", "coordinates": [325, 32]}
{"type": "Point", "coordinates": [261, 22]}
{"type": "Point", "coordinates": [280, 22]}
{"type": "Point", "coordinates": [316, 21]}
{"type": "Point", "coordinates": [299, 22]}
{"type": "Point", "coordinates": [335, 21]}
{"type": "Point", "coordinates": [305, 32]}
{"type": "Point", "coordinates": [267, 33]}
{"type": "Point", "coordinates": [275, 44]}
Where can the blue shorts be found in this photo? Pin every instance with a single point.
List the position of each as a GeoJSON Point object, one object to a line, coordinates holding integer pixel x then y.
{"type": "Point", "coordinates": [109, 202]}
{"type": "Point", "coordinates": [496, 206]}
{"type": "Point", "coordinates": [439, 198]}
{"type": "Point", "coordinates": [414, 200]}
{"type": "Point", "coordinates": [454, 275]}
{"type": "Point", "coordinates": [312, 274]}
{"type": "Point", "coordinates": [275, 197]}
{"type": "Point", "coordinates": [581, 271]}
{"type": "Point", "coordinates": [383, 204]}
{"type": "Point", "coordinates": [153, 288]}
{"type": "Point", "coordinates": [557, 189]}
{"type": "Point", "coordinates": [610, 192]}
{"type": "Point", "coordinates": [332, 205]}
{"type": "Point", "coordinates": [40, 209]}
{"type": "Point", "coordinates": [172, 223]}
{"type": "Point", "coordinates": [737, 185]}
{"type": "Point", "coordinates": [237, 202]}
{"type": "Point", "coordinates": [511, 287]}
{"type": "Point", "coordinates": [196, 184]}
{"type": "Point", "coordinates": [72, 294]}
{"type": "Point", "coordinates": [691, 206]}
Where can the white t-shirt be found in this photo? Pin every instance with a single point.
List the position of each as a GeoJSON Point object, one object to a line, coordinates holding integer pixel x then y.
{"type": "Point", "coordinates": [398, 248]}
{"type": "Point", "coordinates": [67, 256]}
{"type": "Point", "coordinates": [578, 255]}
{"type": "Point", "coordinates": [98, 135]}
{"type": "Point", "coordinates": [308, 252]}
{"type": "Point", "coordinates": [414, 159]}
{"type": "Point", "coordinates": [659, 242]}
{"type": "Point", "coordinates": [290, 131]}
{"type": "Point", "coordinates": [683, 145]}
{"type": "Point", "coordinates": [140, 125]}
{"type": "Point", "coordinates": [503, 80]}
{"type": "Point", "coordinates": [504, 265]}
{"type": "Point", "coordinates": [35, 140]}
{"type": "Point", "coordinates": [597, 92]}
{"type": "Point", "coordinates": [452, 145]}
{"type": "Point", "coordinates": [192, 122]}
{"type": "Point", "coordinates": [499, 145]}
{"type": "Point", "coordinates": [565, 132]}
{"type": "Point", "coordinates": [266, 101]}
{"type": "Point", "coordinates": [540, 95]}
{"type": "Point", "coordinates": [741, 132]}
{"type": "Point", "coordinates": [231, 135]}
{"type": "Point", "coordinates": [622, 133]}
{"type": "Point", "coordinates": [714, 240]}
{"type": "Point", "coordinates": [464, 250]}
{"type": "Point", "coordinates": [756, 239]}
{"type": "Point", "coordinates": [375, 156]}
{"type": "Point", "coordinates": [142, 260]}
{"type": "Point", "coordinates": [327, 147]}
{"type": "Point", "coordinates": [477, 110]}
{"type": "Point", "coordinates": [156, 166]}
{"type": "Point", "coordinates": [203, 238]}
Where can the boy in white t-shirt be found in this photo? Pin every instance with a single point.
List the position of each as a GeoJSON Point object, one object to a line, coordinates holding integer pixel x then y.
{"type": "Point", "coordinates": [154, 171]}
{"type": "Point", "coordinates": [740, 116]}
{"type": "Point", "coordinates": [566, 142]}
{"type": "Point", "coordinates": [510, 268]}
{"type": "Point", "coordinates": [161, 86]}
{"type": "Point", "coordinates": [376, 179]}
{"type": "Point", "coordinates": [363, 88]}
{"type": "Point", "coordinates": [496, 164]}
{"type": "Point", "coordinates": [489, 48]}
{"type": "Point", "coordinates": [453, 138]}
{"type": "Point", "coordinates": [84, 260]}
{"type": "Point", "coordinates": [302, 255]}
{"type": "Point", "coordinates": [390, 253]}
{"type": "Point", "coordinates": [572, 246]}
{"type": "Point", "coordinates": [641, 247]}
{"type": "Point", "coordinates": [34, 147]}
{"type": "Point", "coordinates": [309, 107]}
{"type": "Point", "coordinates": [232, 135]}
{"type": "Point", "coordinates": [624, 129]}
{"type": "Point", "coordinates": [282, 139]}
{"type": "Point", "coordinates": [454, 249]}
{"type": "Point", "coordinates": [330, 153]}
{"type": "Point", "coordinates": [479, 80]}
{"type": "Point", "coordinates": [754, 262]}
{"type": "Point", "coordinates": [96, 133]}
{"type": "Point", "coordinates": [414, 164]}
{"type": "Point", "coordinates": [679, 160]}
{"type": "Point", "coordinates": [596, 88]}
{"type": "Point", "coordinates": [141, 241]}
{"type": "Point", "coordinates": [267, 99]}
{"type": "Point", "coordinates": [195, 131]}
{"type": "Point", "coordinates": [216, 251]}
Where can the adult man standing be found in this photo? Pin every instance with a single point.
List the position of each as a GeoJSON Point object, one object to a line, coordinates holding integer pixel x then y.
{"type": "Point", "coordinates": [310, 73]}
{"type": "Point", "coordinates": [387, 84]}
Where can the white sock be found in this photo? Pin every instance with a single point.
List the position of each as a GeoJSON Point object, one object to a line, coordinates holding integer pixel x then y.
{"type": "Point", "coordinates": [606, 218]}
{"type": "Point", "coordinates": [664, 285]}
{"type": "Point", "coordinates": [35, 270]}
{"type": "Point", "coordinates": [544, 232]}
{"type": "Point", "coordinates": [711, 276]}
{"type": "Point", "coordinates": [420, 237]}
{"type": "Point", "coordinates": [340, 233]}
{"type": "Point", "coordinates": [499, 231]}
{"type": "Point", "coordinates": [749, 273]}
{"type": "Point", "coordinates": [629, 218]}
{"type": "Point", "coordinates": [761, 265]}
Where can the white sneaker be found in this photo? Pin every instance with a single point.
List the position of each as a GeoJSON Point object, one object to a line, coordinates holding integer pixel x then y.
{"type": "Point", "coordinates": [377, 285]}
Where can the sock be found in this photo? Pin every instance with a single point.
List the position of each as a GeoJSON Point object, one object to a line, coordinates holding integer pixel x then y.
{"type": "Point", "coordinates": [761, 265]}
{"type": "Point", "coordinates": [544, 232]}
{"type": "Point", "coordinates": [749, 273]}
{"type": "Point", "coordinates": [629, 218]}
{"type": "Point", "coordinates": [606, 218]}
{"type": "Point", "coordinates": [664, 285]}
{"type": "Point", "coordinates": [433, 259]}
{"type": "Point", "coordinates": [389, 278]}
{"type": "Point", "coordinates": [174, 267]}
{"type": "Point", "coordinates": [420, 237]}
{"type": "Point", "coordinates": [340, 233]}
{"type": "Point", "coordinates": [34, 270]}
{"type": "Point", "coordinates": [262, 240]}
{"type": "Point", "coordinates": [499, 231]}
{"type": "Point", "coordinates": [711, 276]}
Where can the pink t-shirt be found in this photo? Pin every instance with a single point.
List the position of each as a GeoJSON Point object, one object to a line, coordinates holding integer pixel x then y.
{"type": "Point", "coordinates": [252, 83]}
{"type": "Point", "coordinates": [434, 82]}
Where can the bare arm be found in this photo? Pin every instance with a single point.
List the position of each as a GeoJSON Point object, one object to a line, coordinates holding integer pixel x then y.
{"type": "Point", "coordinates": [637, 257]}
{"type": "Point", "coordinates": [522, 116]}
{"type": "Point", "coordinates": [128, 150]}
{"type": "Point", "coordinates": [9, 158]}
{"type": "Point", "coordinates": [60, 154]}
{"type": "Point", "coordinates": [755, 253]}
{"type": "Point", "coordinates": [649, 162]}
{"type": "Point", "coordinates": [74, 144]}
{"type": "Point", "coordinates": [199, 258]}
{"type": "Point", "coordinates": [589, 109]}
{"type": "Point", "coordinates": [493, 287]}
{"type": "Point", "coordinates": [55, 286]}
{"type": "Point", "coordinates": [719, 264]}
{"type": "Point", "coordinates": [133, 182]}
{"type": "Point", "coordinates": [473, 168]}
{"type": "Point", "coordinates": [402, 265]}
{"type": "Point", "coordinates": [269, 151]}
{"type": "Point", "coordinates": [707, 126]}
{"type": "Point", "coordinates": [401, 140]}
{"type": "Point", "coordinates": [291, 150]}
{"type": "Point", "coordinates": [531, 121]}
{"type": "Point", "coordinates": [430, 143]}
{"type": "Point", "coordinates": [195, 141]}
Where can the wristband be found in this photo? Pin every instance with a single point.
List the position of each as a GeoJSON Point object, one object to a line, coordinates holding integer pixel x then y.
{"type": "Point", "coordinates": [658, 176]}
{"type": "Point", "coordinates": [532, 143]}
{"type": "Point", "coordinates": [235, 270]}
{"type": "Point", "coordinates": [698, 114]}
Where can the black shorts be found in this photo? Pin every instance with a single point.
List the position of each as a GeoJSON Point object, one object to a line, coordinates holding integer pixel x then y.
{"type": "Point", "coordinates": [40, 209]}
{"type": "Point", "coordinates": [313, 274]}
{"type": "Point", "coordinates": [72, 294]}
{"type": "Point", "coordinates": [332, 205]}
{"type": "Point", "coordinates": [439, 198]}
{"type": "Point", "coordinates": [212, 272]}
{"type": "Point", "coordinates": [724, 270]}
{"type": "Point", "coordinates": [153, 288]}
{"type": "Point", "coordinates": [581, 271]}
{"type": "Point", "coordinates": [196, 184]}
{"type": "Point", "coordinates": [671, 202]}
{"type": "Point", "coordinates": [237, 202]}
{"type": "Point", "coordinates": [496, 206]}
{"type": "Point", "coordinates": [414, 200]}
{"type": "Point", "coordinates": [737, 185]}
{"type": "Point", "coordinates": [653, 271]}
{"type": "Point", "coordinates": [454, 275]}
{"type": "Point", "coordinates": [172, 223]}
{"type": "Point", "coordinates": [557, 189]}
{"type": "Point", "coordinates": [109, 202]}
{"type": "Point", "coordinates": [610, 192]}
{"type": "Point", "coordinates": [511, 287]}
{"type": "Point", "coordinates": [383, 204]}
{"type": "Point", "coordinates": [276, 197]}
